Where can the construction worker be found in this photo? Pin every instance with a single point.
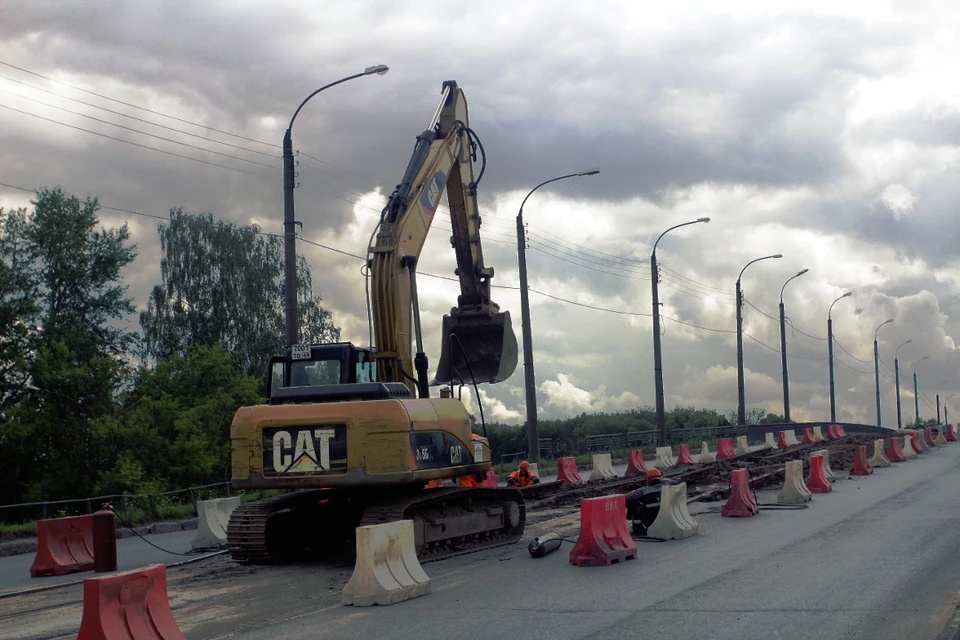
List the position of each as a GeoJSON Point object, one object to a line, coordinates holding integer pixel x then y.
{"type": "Point", "coordinates": [655, 478]}
{"type": "Point", "coordinates": [472, 480]}
{"type": "Point", "coordinates": [522, 477]}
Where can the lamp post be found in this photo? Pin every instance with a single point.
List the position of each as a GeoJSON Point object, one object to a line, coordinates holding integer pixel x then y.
{"type": "Point", "coordinates": [896, 371]}
{"type": "Point", "coordinates": [783, 350]}
{"type": "Point", "coordinates": [530, 385]}
{"type": "Point", "coordinates": [938, 401]}
{"type": "Point", "coordinates": [741, 400]}
{"type": "Point", "coordinates": [657, 363]}
{"type": "Point", "coordinates": [876, 365]}
{"type": "Point", "coordinates": [916, 392]}
{"type": "Point", "coordinates": [833, 394]}
{"type": "Point", "coordinates": [291, 324]}
{"type": "Point", "coordinates": [946, 417]}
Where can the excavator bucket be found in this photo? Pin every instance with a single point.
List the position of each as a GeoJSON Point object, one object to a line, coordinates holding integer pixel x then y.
{"type": "Point", "coordinates": [479, 347]}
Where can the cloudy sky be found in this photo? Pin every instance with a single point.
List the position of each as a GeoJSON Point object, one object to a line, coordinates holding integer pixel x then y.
{"type": "Point", "coordinates": [825, 131]}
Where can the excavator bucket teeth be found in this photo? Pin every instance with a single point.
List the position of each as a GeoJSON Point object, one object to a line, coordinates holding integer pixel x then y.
{"type": "Point", "coordinates": [477, 347]}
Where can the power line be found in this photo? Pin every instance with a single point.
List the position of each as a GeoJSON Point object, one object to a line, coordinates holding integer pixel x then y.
{"type": "Point", "coordinates": [837, 342]}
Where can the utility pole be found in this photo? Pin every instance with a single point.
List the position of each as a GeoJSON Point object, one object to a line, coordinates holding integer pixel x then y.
{"type": "Point", "coordinates": [876, 365]}
{"type": "Point", "coordinates": [833, 393]}
{"type": "Point", "coordinates": [741, 394]}
{"type": "Point", "coordinates": [783, 350]}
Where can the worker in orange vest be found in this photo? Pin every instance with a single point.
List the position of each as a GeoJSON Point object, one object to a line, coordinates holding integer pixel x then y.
{"type": "Point", "coordinates": [522, 477]}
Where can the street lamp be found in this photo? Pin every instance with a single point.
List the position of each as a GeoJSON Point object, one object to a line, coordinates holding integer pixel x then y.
{"type": "Point", "coordinates": [289, 219]}
{"type": "Point", "coordinates": [741, 400]}
{"type": "Point", "coordinates": [876, 365]}
{"type": "Point", "coordinates": [533, 433]}
{"type": "Point", "coordinates": [657, 363]}
{"type": "Point", "coordinates": [938, 401]}
{"type": "Point", "coordinates": [833, 394]}
{"type": "Point", "coordinates": [783, 350]}
{"type": "Point", "coordinates": [896, 371]}
{"type": "Point", "coordinates": [946, 417]}
{"type": "Point", "coordinates": [916, 392]}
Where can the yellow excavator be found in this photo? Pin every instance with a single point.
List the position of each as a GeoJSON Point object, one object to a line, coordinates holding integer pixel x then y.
{"type": "Point", "coordinates": [353, 430]}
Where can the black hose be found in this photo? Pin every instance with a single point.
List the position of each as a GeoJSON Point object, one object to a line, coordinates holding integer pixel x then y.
{"type": "Point", "coordinates": [476, 389]}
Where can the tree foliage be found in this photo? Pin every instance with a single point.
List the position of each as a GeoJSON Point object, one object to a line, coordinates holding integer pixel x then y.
{"type": "Point", "coordinates": [222, 284]}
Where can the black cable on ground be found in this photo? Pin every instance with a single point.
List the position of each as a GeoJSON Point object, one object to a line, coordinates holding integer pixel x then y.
{"type": "Point", "coordinates": [192, 552]}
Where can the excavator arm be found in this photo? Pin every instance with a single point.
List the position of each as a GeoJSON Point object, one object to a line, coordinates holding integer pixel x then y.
{"type": "Point", "coordinates": [478, 340]}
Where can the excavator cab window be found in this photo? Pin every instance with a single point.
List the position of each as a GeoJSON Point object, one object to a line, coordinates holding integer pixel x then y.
{"type": "Point", "coordinates": [310, 372]}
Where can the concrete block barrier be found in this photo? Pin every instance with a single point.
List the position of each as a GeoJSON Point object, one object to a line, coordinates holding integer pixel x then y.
{"type": "Point", "coordinates": [915, 442]}
{"type": "Point", "coordinates": [951, 433]}
{"type": "Point", "coordinates": [387, 570]}
{"type": "Point", "coordinates": [603, 538]}
{"type": "Point", "coordinates": [860, 467]}
{"type": "Point", "coordinates": [879, 459]}
{"type": "Point", "coordinates": [130, 605]}
{"type": "Point", "coordinates": [791, 437]}
{"type": "Point", "coordinates": [212, 519]}
{"type": "Point", "coordinates": [705, 455]}
{"type": "Point", "coordinates": [683, 455]}
{"type": "Point", "coordinates": [893, 452]}
{"type": "Point", "coordinates": [818, 434]}
{"type": "Point", "coordinates": [794, 489]}
{"type": "Point", "coordinates": [742, 445]}
{"type": "Point", "coordinates": [928, 437]}
{"type": "Point", "coordinates": [602, 467]}
{"type": "Point", "coordinates": [567, 471]}
{"type": "Point", "coordinates": [741, 503]}
{"type": "Point", "coordinates": [808, 436]}
{"type": "Point", "coordinates": [817, 481]}
{"type": "Point", "coordinates": [64, 545]}
{"type": "Point", "coordinates": [664, 459]}
{"type": "Point", "coordinates": [827, 470]}
{"type": "Point", "coordinates": [782, 440]}
{"type": "Point", "coordinates": [635, 465]}
{"type": "Point", "coordinates": [909, 452]}
{"type": "Point", "coordinates": [940, 439]}
{"type": "Point", "coordinates": [674, 521]}
{"type": "Point", "coordinates": [768, 441]}
{"type": "Point", "coordinates": [725, 448]}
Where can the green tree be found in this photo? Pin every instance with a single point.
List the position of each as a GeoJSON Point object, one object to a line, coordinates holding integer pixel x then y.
{"type": "Point", "coordinates": [18, 309]}
{"type": "Point", "coordinates": [222, 284]}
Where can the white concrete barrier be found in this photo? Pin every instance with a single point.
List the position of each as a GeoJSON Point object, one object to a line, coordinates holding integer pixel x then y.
{"type": "Point", "coordinates": [791, 437]}
{"type": "Point", "coordinates": [387, 570]}
{"type": "Point", "coordinates": [534, 469]}
{"type": "Point", "coordinates": [922, 441]}
{"type": "Point", "coordinates": [827, 471]}
{"type": "Point", "coordinates": [705, 455]}
{"type": "Point", "coordinates": [879, 458]}
{"type": "Point", "coordinates": [769, 441]}
{"type": "Point", "coordinates": [794, 489]}
{"type": "Point", "coordinates": [742, 445]}
{"type": "Point", "coordinates": [818, 434]}
{"type": "Point", "coordinates": [602, 467]}
{"type": "Point", "coordinates": [674, 521]}
{"type": "Point", "coordinates": [664, 459]}
{"type": "Point", "coordinates": [940, 439]}
{"type": "Point", "coordinates": [908, 451]}
{"type": "Point", "coordinates": [212, 519]}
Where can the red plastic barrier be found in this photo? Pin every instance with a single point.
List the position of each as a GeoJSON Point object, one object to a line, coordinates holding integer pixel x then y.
{"type": "Point", "coordinates": [951, 435]}
{"type": "Point", "coordinates": [928, 437]}
{"type": "Point", "coordinates": [832, 433]}
{"type": "Point", "coordinates": [725, 448]}
{"type": "Point", "coordinates": [915, 442]}
{"type": "Point", "coordinates": [894, 453]}
{"type": "Point", "coordinates": [781, 440]}
{"type": "Point", "coordinates": [490, 480]}
{"type": "Point", "coordinates": [741, 502]}
{"type": "Point", "coordinates": [860, 465]}
{"type": "Point", "coordinates": [603, 538]}
{"type": "Point", "coordinates": [130, 605]}
{"type": "Point", "coordinates": [683, 454]}
{"type": "Point", "coordinates": [841, 431]}
{"type": "Point", "coordinates": [808, 436]}
{"type": "Point", "coordinates": [635, 465]}
{"type": "Point", "coordinates": [817, 481]}
{"type": "Point", "coordinates": [567, 471]}
{"type": "Point", "coordinates": [64, 545]}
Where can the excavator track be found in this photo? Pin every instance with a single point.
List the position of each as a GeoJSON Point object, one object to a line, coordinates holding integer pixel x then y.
{"type": "Point", "coordinates": [456, 521]}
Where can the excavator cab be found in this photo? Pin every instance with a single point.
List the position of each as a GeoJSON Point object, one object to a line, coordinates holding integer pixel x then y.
{"type": "Point", "coordinates": [477, 347]}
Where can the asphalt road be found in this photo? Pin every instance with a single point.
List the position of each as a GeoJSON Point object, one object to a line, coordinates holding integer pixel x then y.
{"type": "Point", "coordinates": [876, 558]}
{"type": "Point", "coordinates": [131, 554]}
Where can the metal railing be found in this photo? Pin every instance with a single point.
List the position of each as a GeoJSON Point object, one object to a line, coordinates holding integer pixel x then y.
{"type": "Point", "coordinates": [649, 437]}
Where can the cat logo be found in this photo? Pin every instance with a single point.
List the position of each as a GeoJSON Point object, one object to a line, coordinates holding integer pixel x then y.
{"type": "Point", "coordinates": [456, 454]}
{"type": "Point", "coordinates": [308, 454]}
{"type": "Point", "coordinates": [432, 191]}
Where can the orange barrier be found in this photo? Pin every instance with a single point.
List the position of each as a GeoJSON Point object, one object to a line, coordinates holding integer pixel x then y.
{"type": "Point", "coordinates": [928, 437]}
{"type": "Point", "coordinates": [635, 465]}
{"type": "Point", "coordinates": [832, 433]}
{"type": "Point", "coordinates": [817, 481]}
{"type": "Point", "coordinates": [808, 436]}
{"type": "Point", "coordinates": [894, 453]}
{"type": "Point", "coordinates": [860, 465]}
{"type": "Point", "coordinates": [740, 503]}
{"type": "Point", "coordinates": [951, 433]}
{"type": "Point", "coordinates": [603, 538]}
{"type": "Point", "coordinates": [490, 480]}
{"type": "Point", "coordinates": [64, 545]}
{"type": "Point", "coordinates": [683, 455]}
{"type": "Point", "coordinates": [130, 605]}
{"type": "Point", "coordinates": [725, 448]}
{"type": "Point", "coordinates": [567, 471]}
{"type": "Point", "coordinates": [915, 441]}
{"type": "Point", "coordinates": [782, 440]}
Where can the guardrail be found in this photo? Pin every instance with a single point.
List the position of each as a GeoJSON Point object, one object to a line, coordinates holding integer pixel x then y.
{"type": "Point", "coordinates": [649, 437]}
{"type": "Point", "coordinates": [39, 510]}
